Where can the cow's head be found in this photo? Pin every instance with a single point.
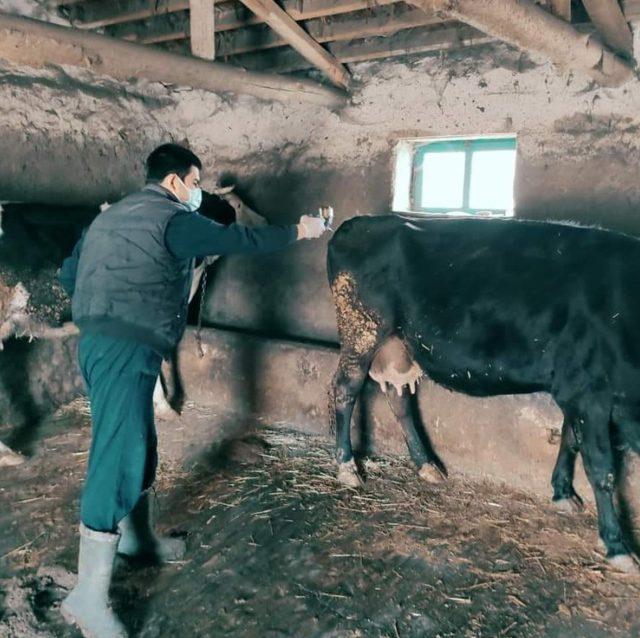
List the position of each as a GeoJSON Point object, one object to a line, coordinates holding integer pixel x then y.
{"type": "Point", "coordinates": [216, 208]}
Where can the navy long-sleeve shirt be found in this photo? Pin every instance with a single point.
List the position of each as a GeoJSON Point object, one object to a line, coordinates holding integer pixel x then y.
{"type": "Point", "coordinates": [190, 235]}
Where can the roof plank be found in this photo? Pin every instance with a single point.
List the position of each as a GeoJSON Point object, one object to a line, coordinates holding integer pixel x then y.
{"type": "Point", "coordinates": [93, 14]}
{"type": "Point", "coordinates": [611, 24]}
{"type": "Point", "coordinates": [406, 41]}
{"type": "Point", "coordinates": [290, 31]}
{"type": "Point", "coordinates": [381, 21]}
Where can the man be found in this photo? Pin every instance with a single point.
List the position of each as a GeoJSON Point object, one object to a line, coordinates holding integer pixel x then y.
{"type": "Point", "coordinates": [224, 206]}
{"type": "Point", "coordinates": [129, 278]}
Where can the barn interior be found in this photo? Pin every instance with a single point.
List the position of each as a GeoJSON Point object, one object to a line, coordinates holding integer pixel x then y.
{"type": "Point", "coordinates": [301, 104]}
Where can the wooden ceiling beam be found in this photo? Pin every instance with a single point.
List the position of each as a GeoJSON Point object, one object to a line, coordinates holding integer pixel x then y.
{"type": "Point", "coordinates": [383, 20]}
{"type": "Point", "coordinates": [296, 37]}
{"type": "Point", "coordinates": [404, 42]}
{"type": "Point", "coordinates": [531, 28]}
{"type": "Point", "coordinates": [611, 24]}
{"type": "Point", "coordinates": [175, 26]}
{"type": "Point", "coordinates": [230, 16]}
{"type": "Point", "coordinates": [562, 8]}
{"type": "Point", "coordinates": [631, 9]}
{"type": "Point", "coordinates": [39, 44]}
{"type": "Point", "coordinates": [93, 14]}
{"type": "Point", "coordinates": [202, 29]}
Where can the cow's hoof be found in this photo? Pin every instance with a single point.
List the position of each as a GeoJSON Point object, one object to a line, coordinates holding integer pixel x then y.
{"type": "Point", "coordinates": [348, 474]}
{"type": "Point", "coordinates": [625, 564]}
{"type": "Point", "coordinates": [432, 474]}
{"type": "Point", "coordinates": [569, 505]}
{"type": "Point", "coordinates": [9, 457]}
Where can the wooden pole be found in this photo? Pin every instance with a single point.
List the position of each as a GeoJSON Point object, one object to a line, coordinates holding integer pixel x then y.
{"type": "Point", "coordinates": [530, 28]}
{"type": "Point", "coordinates": [562, 8]}
{"type": "Point", "coordinates": [611, 24]}
{"type": "Point", "coordinates": [38, 44]}
{"type": "Point", "coordinates": [202, 29]}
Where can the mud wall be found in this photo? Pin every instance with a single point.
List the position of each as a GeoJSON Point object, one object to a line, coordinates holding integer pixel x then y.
{"type": "Point", "coordinates": [510, 439]}
{"type": "Point", "coordinates": [35, 379]}
{"type": "Point", "coordinates": [578, 158]}
{"type": "Point", "coordinates": [68, 138]}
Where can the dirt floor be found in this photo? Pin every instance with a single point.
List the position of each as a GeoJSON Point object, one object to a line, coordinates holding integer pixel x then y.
{"type": "Point", "coordinates": [277, 548]}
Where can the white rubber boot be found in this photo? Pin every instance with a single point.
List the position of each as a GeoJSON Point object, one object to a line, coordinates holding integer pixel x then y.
{"type": "Point", "coordinates": [87, 606]}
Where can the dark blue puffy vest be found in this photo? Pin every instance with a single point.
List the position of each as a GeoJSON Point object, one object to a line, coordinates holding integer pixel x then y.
{"type": "Point", "coordinates": [128, 284]}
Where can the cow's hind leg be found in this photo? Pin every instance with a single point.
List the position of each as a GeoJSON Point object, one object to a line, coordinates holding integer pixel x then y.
{"type": "Point", "coordinates": [346, 386]}
{"type": "Point", "coordinates": [593, 435]}
{"type": "Point", "coordinates": [565, 498]}
{"type": "Point", "coordinates": [405, 409]}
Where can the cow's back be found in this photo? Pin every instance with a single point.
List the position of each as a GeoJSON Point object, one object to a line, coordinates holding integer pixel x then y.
{"type": "Point", "coordinates": [460, 259]}
{"type": "Point", "coordinates": [472, 295]}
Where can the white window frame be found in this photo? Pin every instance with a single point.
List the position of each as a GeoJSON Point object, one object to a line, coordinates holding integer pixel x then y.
{"type": "Point", "coordinates": [404, 175]}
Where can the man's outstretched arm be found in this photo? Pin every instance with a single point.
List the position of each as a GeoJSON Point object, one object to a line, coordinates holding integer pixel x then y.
{"type": "Point", "coordinates": [190, 235]}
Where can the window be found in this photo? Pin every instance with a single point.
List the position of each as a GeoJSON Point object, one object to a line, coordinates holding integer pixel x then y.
{"type": "Point", "coordinates": [470, 176]}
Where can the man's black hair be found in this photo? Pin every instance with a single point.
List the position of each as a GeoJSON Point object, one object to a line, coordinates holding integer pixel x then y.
{"type": "Point", "coordinates": [170, 158]}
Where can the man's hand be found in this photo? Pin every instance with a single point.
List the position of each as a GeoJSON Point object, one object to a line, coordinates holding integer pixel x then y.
{"type": "Point", "coordinates": [310, 227]}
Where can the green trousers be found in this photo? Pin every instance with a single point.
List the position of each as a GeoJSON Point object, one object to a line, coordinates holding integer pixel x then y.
{"type": "Point", "coordinates": [120, 376]}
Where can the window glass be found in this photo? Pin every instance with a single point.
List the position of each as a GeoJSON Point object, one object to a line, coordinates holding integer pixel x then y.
{"type": "Point", "coordinates": [443, 180]}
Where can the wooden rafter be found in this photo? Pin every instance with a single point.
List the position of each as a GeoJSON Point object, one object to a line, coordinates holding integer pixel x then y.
{"type": "Point", "coordinates": [631, 10]}
{"type": "Point", "coordinates": [531, 28]}
{"type": "Point", "coordinates": [92, 14]}
{"type": "Point", "coordinates": [290, 31]}
{"type": "Point", "coordinates": [202, 29]}
{"type": "Point", "coordinates": [175, 26]}
{"type": "Point", "coordinates": [231, 15]}
{"type": "Point", "coordinates": [239, 33]}
{"type": "Point", "coordinates": [407, 41]}
{"type": "Point", "coordinates": [37, 44]}
{"type": "Point", "coordinates": [562, 8]}
{"type": "Point", "coordinates": [382, 21]}
{"type": "Point", "coordinates": [611, 24]}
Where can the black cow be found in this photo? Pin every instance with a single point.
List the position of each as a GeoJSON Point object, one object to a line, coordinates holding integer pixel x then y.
{"type": "Point", "coordinates": [489, 307]}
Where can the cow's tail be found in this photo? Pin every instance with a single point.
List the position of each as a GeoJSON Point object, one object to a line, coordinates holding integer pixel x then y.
{"type": "Point", "coordinates": [344, 244]}
{"type": "Point", "coordinates": [333, 251]}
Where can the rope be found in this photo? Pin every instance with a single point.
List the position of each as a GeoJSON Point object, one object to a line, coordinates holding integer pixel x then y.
{"type": "Point", "coordinates": [203, 289]}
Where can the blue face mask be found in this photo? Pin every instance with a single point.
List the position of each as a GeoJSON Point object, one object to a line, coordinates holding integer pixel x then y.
{"type": "Point", "coordinates": [195, 198]}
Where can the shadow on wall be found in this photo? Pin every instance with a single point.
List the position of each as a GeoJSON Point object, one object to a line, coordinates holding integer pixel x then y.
{"type": "Point", "coordinates": [35, 379]}
{"type": "Point", "coordinates": [286, 294]}
{"type": "Point", "coordinates": [19, 407]}
{"type": "Point", "coordinates": [604, 192]}
{"type": "Point", "coordinates": [91, 173]}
